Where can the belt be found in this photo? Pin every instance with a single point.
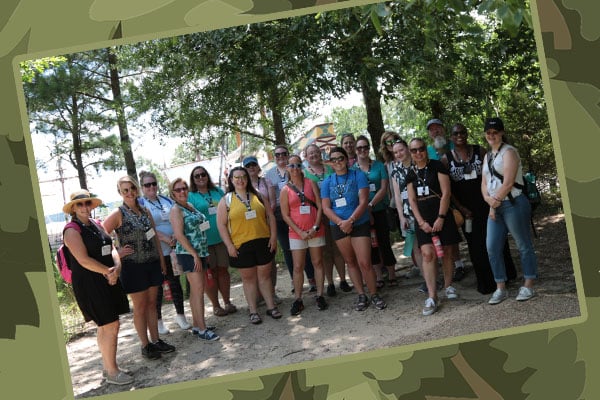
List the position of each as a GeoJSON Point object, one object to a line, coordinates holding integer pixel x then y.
{"type": "Point", "coordinates": [421, 198]}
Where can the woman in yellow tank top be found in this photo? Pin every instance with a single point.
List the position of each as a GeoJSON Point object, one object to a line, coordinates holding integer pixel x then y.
{"type": "Point", "coordinates": [247, 226]}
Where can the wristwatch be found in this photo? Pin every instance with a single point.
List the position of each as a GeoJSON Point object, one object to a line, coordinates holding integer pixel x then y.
{"type": "Point", "coordinates": [316, 228]}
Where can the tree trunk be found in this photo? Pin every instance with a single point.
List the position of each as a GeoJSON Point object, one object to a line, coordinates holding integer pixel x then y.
{"type": "Point", "coordinates": [76, 128]}
{"type": "Point", "coordinates": [372, 99]}
{"type": "Point", "coordinates": [119, 108]}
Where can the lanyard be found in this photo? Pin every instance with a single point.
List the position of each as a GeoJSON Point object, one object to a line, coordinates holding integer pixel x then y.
{"type": "Point", "coordinates": [159, 206]}
{"type": "Point", "coordinates": [340, 189]}
{"type": "Point", "coordinates": [246, 202]}
{"type": "Point", "coordinates": [209, 200]}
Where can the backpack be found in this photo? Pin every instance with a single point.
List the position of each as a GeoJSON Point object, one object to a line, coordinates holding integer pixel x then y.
{"type": "Point", "coordinates": [63, 254]}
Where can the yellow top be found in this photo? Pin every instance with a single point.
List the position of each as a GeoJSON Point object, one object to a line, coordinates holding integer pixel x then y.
{"type": "Point", "coordinates": [243, 229]}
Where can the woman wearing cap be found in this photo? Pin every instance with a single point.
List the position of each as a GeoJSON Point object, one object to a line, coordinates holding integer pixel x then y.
{"type": "Point", "coordinates": [301, 210]}
{"type": "Point", "coordinates": [344, 196]}
{"type": "Point", "coordinates": [95, 268]}
{"type": "Point", "coordinates": [160, 206]}
{"type": "Point", "coordinates": [143, 264]}
{"type": "Point", "coordinates": [317, 171]}
{"type": "Point", "coordinates": [465, 163]}
{"type": "Point", "coordinates": [248, 229]}
{"type": "Point", "coordinates": [429, 198]}
{"type": "Point", "coordinates": [348, 143]}
{"type": "Point", "coordinates": [190, 227]}
{"type": "Point", "coordinates": [205, 196]}
{"type": "Point", "coordinates": [509, 211]}
{"type": "Point", "coordinates": [378, 202]}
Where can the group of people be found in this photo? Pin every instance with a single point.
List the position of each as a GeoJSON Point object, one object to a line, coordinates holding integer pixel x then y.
{"type": "Point", "coordinates": [321, 213]}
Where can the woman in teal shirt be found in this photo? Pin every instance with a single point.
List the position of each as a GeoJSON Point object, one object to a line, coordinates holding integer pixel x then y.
{"type": "Point", "coordinates": [205, 196]}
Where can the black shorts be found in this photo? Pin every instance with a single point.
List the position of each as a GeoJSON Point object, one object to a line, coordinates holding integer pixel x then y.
{"type": "Point", "coordinates": [186, 261]}
{"type": "Point", "coordinates": [357, 231]}
{"type": "Point", "coordinates": [138, 277]}
{"type": "Point", "coordinates": [252, 253]}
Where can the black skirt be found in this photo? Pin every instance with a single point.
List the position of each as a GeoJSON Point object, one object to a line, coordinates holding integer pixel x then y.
{"type": "Point", "coordinates": [429, 209]}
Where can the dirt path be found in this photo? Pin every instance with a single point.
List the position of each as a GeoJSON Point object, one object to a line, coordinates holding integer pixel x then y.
{"type": "Point", "coordinates": [337, 331]}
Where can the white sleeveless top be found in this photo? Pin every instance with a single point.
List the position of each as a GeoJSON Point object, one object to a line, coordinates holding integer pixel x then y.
{"type": "Point", "coordinates": [493, 182]}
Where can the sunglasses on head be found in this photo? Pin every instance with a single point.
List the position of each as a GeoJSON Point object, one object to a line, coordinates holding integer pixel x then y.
{"type": "Point", "coordinates": [392, 141]}
{"type": "Point", "coordinates": [131, 189]}
{"type": "Point", "coordinates": [282, 154]}
{"type": "Point", "coordinates": [421, 149]}
{"type": "Point", "coordinates": [337, 159]}
{"type": "Point", "coordinates": [148, 184]}
{"type": "Point", "coordinates": [292, 166]}
{"type": "Point", "coordinates": [87, 203]}
{"type": "Point", "coordinates": [240, 177]}
{"type": "Point", "coordinates": [200, 175]}
{"type": "Point", "coordinates": [180, 189]}
{"type": "Point", "coordinates": [362, 148]}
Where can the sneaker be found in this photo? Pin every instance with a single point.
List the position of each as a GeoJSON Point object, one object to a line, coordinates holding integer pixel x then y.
{"type": "Point", "coordinates": [451, 293]}
{"type": "Point", "coordinates": [196, 331]}
{"type": "Point", "coordinates": [161, 328]}
{"type": "Point", "coordinates": [459, 274]}
{"type": "Point", "coordinates": [430, 306]}
{"type": "Point", "coordinates": [181, 321]}
{"type": "Point", "coordinates": [120, 379]}
{"type": "Point", "coordinates": [525, 293]}
{"type": "Point", "coordinates": [378, 302]}
{"type": "Point", "coordinates": [297, 307]}
{"type": "Point", "coordinates": [498, 297]}
{"type": "Point", "coordinates": [362, 303]}
{"type": "Point", "coordinates": [150, 352]}
{"type": "Point", "coordinates": [208, 335]}
{"type": "Point", "coordinates": [105, 372]}
{"type": "Point", "coordinates": [321, 303]}
{"type": "Point", "coordinates": [344, 287]}
{"type": "Point", "coordinates": [164, 347]}
{"type": "Point", "coordinates": [331, 290]}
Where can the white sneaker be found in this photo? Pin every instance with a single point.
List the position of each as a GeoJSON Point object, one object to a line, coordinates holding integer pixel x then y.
{"type": "Point", "coordinates": [451, 293]}
{"type": "Point", "coordinates": [161, 328]}
{"type": "Point", "coordinates": [525, 293]}
{"type": "Point", "coordinates": [499, 296]}
{"type": "Point", "coordinates": [182, 322]}
{"type": "Point", "coordinates": [430, 306]}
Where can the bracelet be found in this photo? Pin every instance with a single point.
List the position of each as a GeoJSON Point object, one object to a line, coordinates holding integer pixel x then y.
{"type": "Point", "coordinates": [442, 216]}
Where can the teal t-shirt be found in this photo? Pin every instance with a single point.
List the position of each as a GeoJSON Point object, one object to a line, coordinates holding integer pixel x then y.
{"type": "Point", "coordinates": [377, 172]}
{"type": "Point", "coordinates": [206, 203]}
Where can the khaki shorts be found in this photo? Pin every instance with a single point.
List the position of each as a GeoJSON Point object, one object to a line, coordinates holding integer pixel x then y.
{"type": "Point", "coordinates": [218, 256]}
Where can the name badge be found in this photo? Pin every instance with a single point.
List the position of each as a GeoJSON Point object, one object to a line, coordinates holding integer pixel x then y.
{"type": "Point", "coordinates": [406, 210]}
{"type": "Point", "coordinates": [150, 233]}
{"type": "Point", "coordinates": [250, 214]}
{"type": "Point", "coordinates": [280, 185]}
{"type": "Point", "coordinates": [212, 210]}
{"type": "Point", "coordinates": [205, 226]}
{"type": "Point", "coordinates": [494, 184]}
{"type": "Point", "coordinates": [304, 209]}
{"type": "Point", "coordinates": [404, 195]}
{"type": "Point", "coordinates": [372, 187]}
{"type": "Point", "coordinates": [106, 249]}
{"type": "Point", "coordinates": [164, 215]}
{"type": "Point", "coordinates": [472, 175]}
{"type": "Point", "coordinates": [423, 191]}
{"type": "Point", "coordinates": [341, 202]}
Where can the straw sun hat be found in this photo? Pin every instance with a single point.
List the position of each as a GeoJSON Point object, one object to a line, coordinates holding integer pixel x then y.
{"type": "Point", "coordinates": [80, 196]}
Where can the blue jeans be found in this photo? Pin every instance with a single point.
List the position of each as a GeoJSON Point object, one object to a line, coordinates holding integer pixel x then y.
{"type": "Point", "coordinates": [513, 218]}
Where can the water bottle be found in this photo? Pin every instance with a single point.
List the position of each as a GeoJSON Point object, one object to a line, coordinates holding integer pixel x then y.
{"type": "Point", "coordinates": [468, 225]}
{"type": "Point", "coordinates": [167, 295]}
{"type": "Point", "coordinates": [437, 243]}
{"type": "Point", "coordinates": [210, 281]}
{"type": "Point", "coordinates": [374, 242]}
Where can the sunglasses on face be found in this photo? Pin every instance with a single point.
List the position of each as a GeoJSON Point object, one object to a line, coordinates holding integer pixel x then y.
{"type": "Point", "coordinates": [462, 133]}
{"type": "Point", "coordinates": [180, 189]}
{"type": "Point", "coordinates": [200, 175]}
{"type": "Point", "coordinates": [87, 203]}
{"type": "Point", "coordinates": [293, 166]}
{"type": "Point", "coordinates": [362, 148]}
{"type": "Point", "coordinates": [148, 184]}
{"type": "Point", "coordinates": [251, 165]}
{"type": "Point", "coordinates": [421, 149]}
{"type": "Point", "coordinates": [131, 189]}
{"type": "Point", "coordinates": [240, 177]}
{"type": "Point", "coordinates": [282, 154]}
{"type": "Point", "coordinates": [337, 159]}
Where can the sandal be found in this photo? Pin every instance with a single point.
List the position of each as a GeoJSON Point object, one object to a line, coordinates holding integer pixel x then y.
{"type": "Point", "coordinates": [380, 284]}
{"type": "Point", "coordinates": [230, 308]}
{"type": "Point", "coordinates": [274, 313]}
{"type": "Point", "coordinates": [255, 318]}
{"type": "Point", "coordinates": [392, 282]}
{"type": "Point", "coordinates": [219, 312]}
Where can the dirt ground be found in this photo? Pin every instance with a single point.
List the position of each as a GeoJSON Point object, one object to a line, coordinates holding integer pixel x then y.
{"type": "Point", "coordinates": [337, 331]}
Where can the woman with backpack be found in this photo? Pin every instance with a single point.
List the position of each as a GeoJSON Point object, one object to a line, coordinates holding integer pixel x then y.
{"type": "Point", "coordinates": [95, 267]}
{"type": "Point", "coordinates": [509, 211]}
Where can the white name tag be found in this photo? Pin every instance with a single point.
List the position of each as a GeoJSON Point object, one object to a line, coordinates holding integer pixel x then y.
{"type": "Point", "coordinates": [106, 249]}
{"type": "Point", "coordinates": [372, 187]}
{"type": "Point", "coordinates": [205, 226]}
{"type": "Point", "coordinates": [341, 202]}
{"type": "Point", "coordinates": [304, 209]}
{"type": "Point", "coordinates": [472, 175]}
{"type": "Point", "coordinates": [212, 210]}
{"type": "Point", "coordinates": [150, 234]}
{"type": "Point", "coordinates": [404, 195]}
{"type": "Point", "coordinates": [250, 214]}
{"type": "Point", "coordinates": [164, 215]}
{"type": "Point", "coordinates": [423, 191]}
{"type": "Point", "coordinates": [494, 183]}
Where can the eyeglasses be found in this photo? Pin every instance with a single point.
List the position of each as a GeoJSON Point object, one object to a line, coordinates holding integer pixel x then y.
{"type": "Point", "coordinates": [180, 189]}
{"type": "Point", "coordinates": [200, 175]}
{"type": "Point", "coordinates": [362, 148]}
{"type": "Point", "coordinates": [292, 166]}
{"type": "Point", "coordinates": [337, 159]}
{"type": "Point", "coordinates": [87, 203]}
{"type": "Point", "coordinates": [131, 189]}
{"type": "Point", "coordinates": [251, 165]}
{"type": "Point", "coordinates": [148, 184]}
{"type": "Point", "coordinates": [462, 133]}
{"type": "Point", "coordinates": [240, 177]}
{"type": "Point", "coordinates": [421, 149]}
{"type": "Point", "coordinates": [282, 154]}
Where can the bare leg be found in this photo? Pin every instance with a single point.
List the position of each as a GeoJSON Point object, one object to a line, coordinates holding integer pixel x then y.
{"type": "Point", "coordinates": [140, 315]}
{"type": "Point", "coordinates": [263, 273]}
{"type": "Point", "coordinates": [196, 280]}
{"type": "Point", "coordinates": [299, 257]}
{"type": "Point", "coordinates": [107, 343]}
{"type": "Point", "coordinates": [345, 246]}
{"type": "Point", "coordinates": [316, 255]}
{"type": "Point", "coordinates": [429, 269]}
{"type": "Point", "coordinates": [250, 285]}
{"type": "Point", "coordinates": [362, 249]}
{"type": "Point", "coordinates": [151, 316]}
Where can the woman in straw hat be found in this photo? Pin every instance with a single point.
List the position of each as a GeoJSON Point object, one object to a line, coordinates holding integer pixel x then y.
{"type": "Point", "coordinates": [143, 264]}
{"type": "Point", "coordinates": [95, 267]}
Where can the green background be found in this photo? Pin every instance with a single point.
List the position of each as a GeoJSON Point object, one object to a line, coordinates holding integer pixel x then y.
{"type": "Point", "coordinates": [548, 361]}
